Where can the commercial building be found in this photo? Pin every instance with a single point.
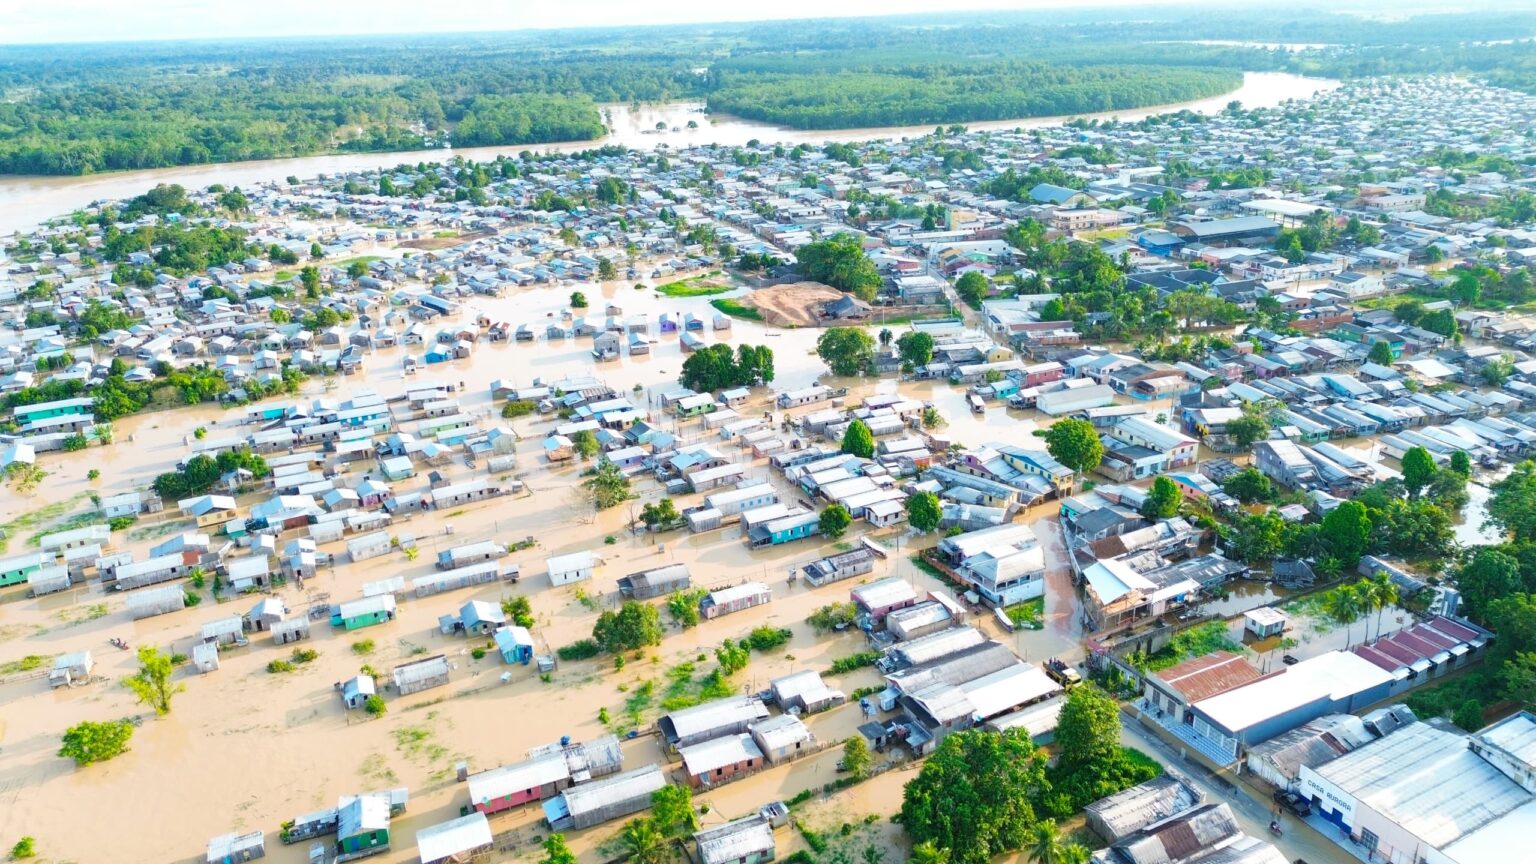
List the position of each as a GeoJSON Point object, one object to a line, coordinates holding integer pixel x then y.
{"type": "Point", "coordinates": [1332, 683]}
{"type": "Point", "coordinates": [1430, 793]}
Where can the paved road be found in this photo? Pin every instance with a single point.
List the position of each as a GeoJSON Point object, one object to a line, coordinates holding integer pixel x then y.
{"type": "Point", "coordinates": [1299, 839]}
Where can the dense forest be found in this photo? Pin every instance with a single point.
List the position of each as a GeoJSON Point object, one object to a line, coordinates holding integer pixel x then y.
{"type": "Point", "coordinates": [92, 108]}
{"type": "Point", "coordinates": [958, 93]}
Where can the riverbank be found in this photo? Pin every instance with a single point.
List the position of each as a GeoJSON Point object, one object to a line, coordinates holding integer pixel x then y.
{"type": "Point", "coordinates": [26, 201]}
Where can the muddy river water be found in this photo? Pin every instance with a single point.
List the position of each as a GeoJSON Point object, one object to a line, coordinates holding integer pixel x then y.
{"type": "Point", "coordinates": [26, 201]}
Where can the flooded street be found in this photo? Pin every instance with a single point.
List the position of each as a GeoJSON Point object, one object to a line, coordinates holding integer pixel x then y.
{"type": "Point", "coordinates": [27, 201]}
{"type": "Point", "coordinates": [282, 742]}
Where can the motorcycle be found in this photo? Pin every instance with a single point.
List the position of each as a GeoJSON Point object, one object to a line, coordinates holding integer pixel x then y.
{"type": "Point", "coordinates": [118, 643]}
{"type": "Point", "coordinates": [1274, 828]}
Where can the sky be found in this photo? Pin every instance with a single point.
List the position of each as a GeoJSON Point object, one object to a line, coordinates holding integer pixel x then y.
{"type": "Point", "coordinates": [46, 21]}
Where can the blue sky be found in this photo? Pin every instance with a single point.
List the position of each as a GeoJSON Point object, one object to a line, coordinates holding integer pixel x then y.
{"type": "Point", "coordinates": [132, 20]}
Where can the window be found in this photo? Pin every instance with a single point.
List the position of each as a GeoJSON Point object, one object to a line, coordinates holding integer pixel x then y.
{"type": "Point", "coordinates": [1369, 840]}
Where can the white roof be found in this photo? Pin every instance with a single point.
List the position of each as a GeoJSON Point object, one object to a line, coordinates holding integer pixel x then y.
{"type": "Point", "coordinates": [446, 839]}
{"type": "Point", "coordinates": [1334, 675]}
{"type": "Point", "coordinates": [503, 781]}
{"type": "Point", "coordinates": [1427, 780]}
{"type": "Point", "coordinates": [993, 694]}
{"type": "Point", "coordinates": [1494, 841]}
{"type": "Point", "coordinates": [886, 592]}
{"type": "Point", "coordinates": [584, 560]}
{"type": "Point", "coordinates": [1113, 578]}
{"type": "Point", "coordinates": [706, 756]}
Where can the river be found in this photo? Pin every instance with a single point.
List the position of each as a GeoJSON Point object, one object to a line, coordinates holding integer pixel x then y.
{"type": "Point", "coordinates": [26, 201]}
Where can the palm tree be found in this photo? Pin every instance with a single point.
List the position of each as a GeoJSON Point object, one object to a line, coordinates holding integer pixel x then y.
{"type": "Point", "coordinates": [1384, 593]}
{"type": "Point", "coordinates": [1045, 845]}
{"type": "Point", "coordinates": [642, 842]}
{"type": "Point", "coordinates": [927, 853]}
{"type": "Point", "coordinates": [1076, 853]}
{"type": "Point", "coordinates": [1343, 606]}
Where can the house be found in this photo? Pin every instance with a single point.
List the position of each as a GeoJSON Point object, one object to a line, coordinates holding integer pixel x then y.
{"type": "Point", "coordinates": [456, 841]}
{"type": "Point", "coordinates": [882, 597]}
{"type": "Point", "coordinates": [419, 675]}
{"type": "Point", "coordinates": [515, 644]}
{"type": "Point", "coordinates": [267, 612]}
{"type": "Point", "coordinates": [362, 823]}
{"type": "Point", "coordinates": [804, 692]}
{"type": "Point", "coordinates": [1124, 813]}
{"type": "Point", "coordinates": [844, 565]}
{"type": "Point", "coordinates": [356, 691]}
{"type": "Point", "coordinates": [575, 567]}
{"type": "Point", "coordinates": [17, 569]}
{"type": "Point", "coordinates": [743, 841]}
{"type": "Point", "coordinates": [363, 612]}
{"type": "Point", "coordinates": [729, 716]}
{"type": "Point", "coordinates": [233, 848]}
{"type": "Point", "coordinates": [655, 582]}
{"type": "Point", "coordinates": [538, 779]}
{"type": "Point", "coordinates": [1171, 691]}
{"type": "Point", "coordinates": [782, 737]}
{"type": "Point", "coordinates": [593, 803]}
{"type": "Point", "coordinates": [719, 760]}
{"type": "Point", "coordinates": [290, 630]}
{"type": "Point", "coordinates": [724, 601]}
{"type": "Point", "coordinates": [205, 657]}
{"type": "Point", "coordinates": [71, 669]}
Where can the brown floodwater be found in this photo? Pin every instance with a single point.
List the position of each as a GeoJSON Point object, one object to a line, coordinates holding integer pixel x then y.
{"type": "Point", "coordinates": [26, 201]}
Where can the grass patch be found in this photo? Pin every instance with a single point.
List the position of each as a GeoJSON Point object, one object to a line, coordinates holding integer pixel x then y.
{"type": "Point", "coordinates": [1195, 642]}
{"type": "Point", "coordinates": [695, 286]}
{"type": "Point", "coordinates": [44, 515]}
{"type": "Point", "coordinates": [1027, 614]}
{"type": "Point", "coordinates": [360, 259]}
{"type": "Point", "coordinates": [736, 309]}
{"type": "Point", "coordinates": [29, 663]}
{"type": "Point", "coordinates": [853, 661]}
{"type": "Point", "coordinates": [80, 614]}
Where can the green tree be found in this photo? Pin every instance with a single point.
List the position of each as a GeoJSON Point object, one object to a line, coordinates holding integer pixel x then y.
{"type": "Point", "coordinates": [1381, 352]}
{"type": "Point", "coordinates": [858, 441]}
{"type": "Point", "coordinates": [518, 610]}
{"type": "Point", "coordinates": [1512, 506]}
{"type": "Point", "coordinates": [1075, 444]}
{"type": "Point", "coordinates": [1490, 576]}
{"type": "Point", "coordinates": [1045, 844]}
{"type": "Point", "coordinates": [606, 271]}
{"type": "Point", "coordinates": [1418, 470]}
{"type": "Point", "coordinates": [641, 842]}
{"type": "Point", "coordinates": [1346, 532]}
{"type": "Point", "coordinates": [1469, 715]}
{"type": "Point", "coordinates": [152, 683]}
{"type": "Point", "coordinates": [1248, 485]}
{"type": "Point", "coordinates": [927, 853]}
{"type": "Point", "coordinates": [733, 657]}
{"type": "Point", "coordinates": [834, 521]}
{"type": "Point", "coordinates": [924, 511]}
{"type": "Point", "coordinates": [357, 270]}
{"type": "Point", "coordinates": [585, 443]}
{"type": "Point", "coordinates": [1344, 605]}
{"type": "Point", "coordinates": [87, 742]}
{"type": "Point", "coordinates": [1247, 430]}
{"type": "Point", "coordinates": [25, 848]}
{"type": "Point", "coordinates": [840, 261]}
{"type": "Point", "coordinates": [316, 251]}
{"type": "Point", "coordinates": [1092, 763]}
{"type": "Point", "coordinates": [609, 486]}
{"type": "Point", "coordinates": [1163, 499]}
{"type": "Point", "coordinates": [857, 759]}
{"type": "Point", "coordinates": [660, 513]}
{"type": "Point", "coordinates": [635, 625]}
{"type": "Point", "coordinates": [1461, 463]}
{"type": "Point", "coordinates": [683, 606]}
{"type": "Point", "coordinates": [673, 812]}
{"type": "Point", "coordinates": [309, 277]}
{"type": "Point", "coordinates": [972, 288]}
{"type": "Point", "coordinates": [973, 797]}
{"type": "Point", "coordinates": [578, 300]}
{"type": "Point", "coordinates": [846, 350]}
{"type": "Point", "coordinates": [1256, 537]}
{"type": "Point", "coordinates": [915, 347]}
{"type": "Point", "coordinates": [556, 851]}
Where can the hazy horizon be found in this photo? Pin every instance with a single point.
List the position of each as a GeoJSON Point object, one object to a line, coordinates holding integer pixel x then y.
{"type": "Point", "coordinates": [27, 22]}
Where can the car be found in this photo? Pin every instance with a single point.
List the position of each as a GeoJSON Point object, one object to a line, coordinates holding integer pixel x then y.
{"type": "Point", "coordinates": [1293, 802]}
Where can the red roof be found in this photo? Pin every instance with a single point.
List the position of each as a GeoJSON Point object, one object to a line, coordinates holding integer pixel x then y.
{"type": "Point", "coordinates": [1204, 677]}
